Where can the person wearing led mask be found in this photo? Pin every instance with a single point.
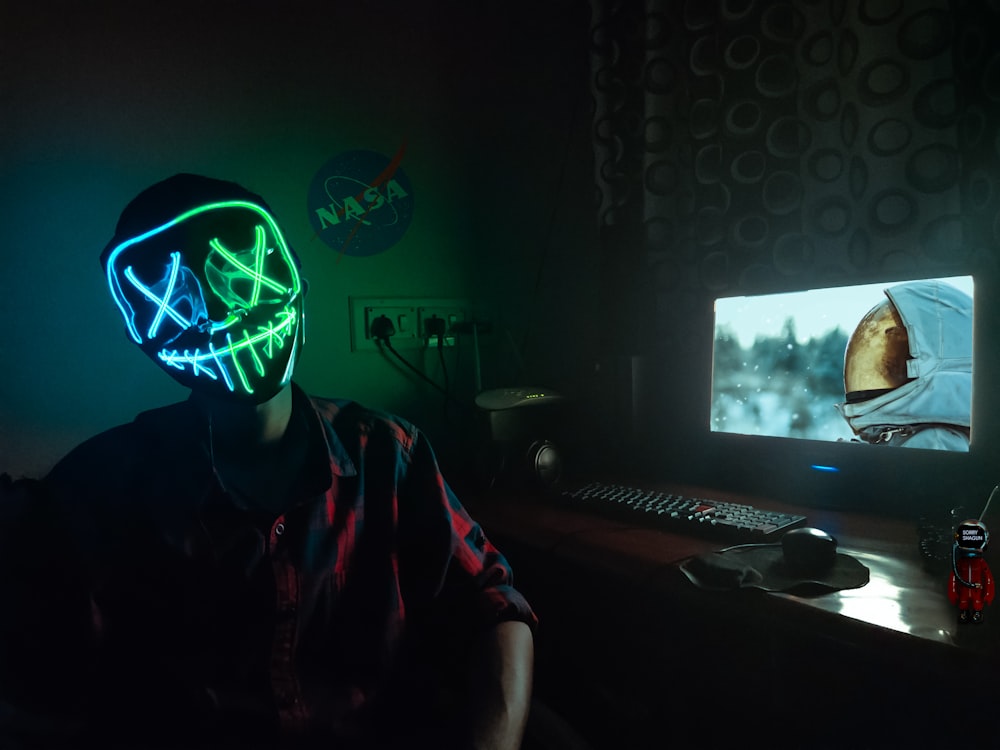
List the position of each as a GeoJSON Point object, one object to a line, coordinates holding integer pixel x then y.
{"type": "Point", "coordinates": [908, 369]}
{"type": "Point", "coordinates": [254, 567]}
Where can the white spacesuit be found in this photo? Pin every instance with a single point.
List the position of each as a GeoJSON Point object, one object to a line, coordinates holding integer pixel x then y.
{"type": "Point", "coordinates": [908, 369]}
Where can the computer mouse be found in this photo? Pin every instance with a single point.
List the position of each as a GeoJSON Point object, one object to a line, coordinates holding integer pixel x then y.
{"type": "Point", "coordinates": [808, 550]}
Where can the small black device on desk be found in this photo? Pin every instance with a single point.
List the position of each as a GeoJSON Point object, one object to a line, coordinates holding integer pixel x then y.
{"type": "Point", "coordinates": [695, 515]}
{"type": "Point", "coordinates": [809, 550]}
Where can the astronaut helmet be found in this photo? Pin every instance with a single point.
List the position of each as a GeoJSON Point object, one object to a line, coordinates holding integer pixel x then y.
{"type": "Point", "coordinates": [972, 537]}
{"type": "Point", "coordinates": [876, 355]}
{"type": "Point", "coordinates": [908, 368]}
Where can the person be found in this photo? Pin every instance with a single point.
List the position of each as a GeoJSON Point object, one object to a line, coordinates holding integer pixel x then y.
{"type": "Point", "coordinates": [252, 567]}
{"type": "Point", "coordinates": [908, 369]}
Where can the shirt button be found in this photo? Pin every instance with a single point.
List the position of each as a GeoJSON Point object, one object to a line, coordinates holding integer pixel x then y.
{"type": "Point", "coordinates": [279, 529]}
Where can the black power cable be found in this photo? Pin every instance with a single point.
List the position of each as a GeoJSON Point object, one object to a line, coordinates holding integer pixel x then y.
{"type": "Point", "coordinates": [382, 330]}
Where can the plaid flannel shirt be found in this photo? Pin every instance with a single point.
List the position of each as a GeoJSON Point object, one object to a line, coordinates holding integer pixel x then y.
{"type": "Point", "coordinates": [189, 620]}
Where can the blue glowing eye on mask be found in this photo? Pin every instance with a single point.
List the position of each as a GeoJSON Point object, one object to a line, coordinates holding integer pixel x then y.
{"type": "Point", "coordinates": [215, 298]}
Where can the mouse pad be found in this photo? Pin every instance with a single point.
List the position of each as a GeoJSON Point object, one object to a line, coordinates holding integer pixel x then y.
{"type": "Point", "coordinates": [763, 567]}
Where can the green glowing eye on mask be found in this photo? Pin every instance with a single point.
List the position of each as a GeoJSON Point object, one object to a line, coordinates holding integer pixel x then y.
{"type": "Point", "coordinates": [214, 297]}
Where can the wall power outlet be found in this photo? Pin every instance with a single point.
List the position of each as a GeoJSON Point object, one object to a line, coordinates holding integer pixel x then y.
{"type": "Point", "coordinates": [416, 320]}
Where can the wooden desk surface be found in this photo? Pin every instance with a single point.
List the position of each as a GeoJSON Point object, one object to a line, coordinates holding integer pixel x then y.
{"type": "Point", "coordinates": [638, 656]}
{"type": "Point", "coordinates": [900, 598]}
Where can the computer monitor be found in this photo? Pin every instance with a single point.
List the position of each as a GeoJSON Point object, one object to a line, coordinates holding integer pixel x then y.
{"type": "Point", "coordinates": [783, 364]}
{"type": "Point", "coordinates": [761, 407]}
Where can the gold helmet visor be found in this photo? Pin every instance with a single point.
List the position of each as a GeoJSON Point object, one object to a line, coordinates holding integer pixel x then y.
{"type": "Point", "coordinates": [877, 352]}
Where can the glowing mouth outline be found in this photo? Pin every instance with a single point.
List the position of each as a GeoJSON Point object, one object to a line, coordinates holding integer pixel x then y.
{"type": "Point", "coordinates": [271, 336]}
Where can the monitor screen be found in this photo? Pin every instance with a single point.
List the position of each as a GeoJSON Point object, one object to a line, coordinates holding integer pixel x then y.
{"type": "Point", "coordinates": [886, 364]}
{"type": "Point", "coordinates": [872, 395]}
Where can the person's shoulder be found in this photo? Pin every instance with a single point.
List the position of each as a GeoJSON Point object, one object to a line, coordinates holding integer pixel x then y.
{"type": "Point", "coordinates": [345, 410]}
{"type": "Point", "coordinates": [117, 450]}
{"type": "Point", "coordinates": [349, 416]}
{"type": "Point", "coordinates": [110, 446]}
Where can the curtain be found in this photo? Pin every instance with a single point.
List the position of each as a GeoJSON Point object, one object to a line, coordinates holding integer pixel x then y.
{"type": "Point", "coordinates": [744, 145]}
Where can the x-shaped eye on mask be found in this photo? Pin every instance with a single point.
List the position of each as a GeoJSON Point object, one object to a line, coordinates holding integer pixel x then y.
{"type": "Point", "coordinates": [177, 288]}
{"type": "Point", "coordinates": [243, 271]}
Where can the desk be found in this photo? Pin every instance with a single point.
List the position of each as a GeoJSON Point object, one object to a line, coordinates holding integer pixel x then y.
{"type": "Point", "coordinates": [639, 657]}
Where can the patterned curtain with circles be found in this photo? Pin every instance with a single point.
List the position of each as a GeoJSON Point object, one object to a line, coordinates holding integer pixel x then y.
{"type": "Point", "coordinates": [753, 145]}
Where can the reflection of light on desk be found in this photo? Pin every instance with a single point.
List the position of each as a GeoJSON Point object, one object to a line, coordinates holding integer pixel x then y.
{"type": "Point", "coordinates": [898, 596]}
{"type": "Point", "coordinates": [876, 603]}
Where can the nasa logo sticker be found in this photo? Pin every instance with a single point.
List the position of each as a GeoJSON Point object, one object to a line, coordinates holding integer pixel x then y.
{"type": "Point", "coordinates": [361, 202]}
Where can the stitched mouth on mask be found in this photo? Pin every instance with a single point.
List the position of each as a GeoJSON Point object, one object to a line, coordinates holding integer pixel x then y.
{"type": "Point", "coordinates": [240, 354]}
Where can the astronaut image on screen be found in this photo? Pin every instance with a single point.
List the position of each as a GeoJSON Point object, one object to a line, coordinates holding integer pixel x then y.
{"type": "Point", "coordinates": [908, 369]}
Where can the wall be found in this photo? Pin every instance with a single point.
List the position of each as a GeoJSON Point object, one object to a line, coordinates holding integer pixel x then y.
{"type": "Point", "coordinates": [99, 102]}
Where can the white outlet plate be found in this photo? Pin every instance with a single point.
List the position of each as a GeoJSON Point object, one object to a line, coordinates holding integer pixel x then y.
{"type": "Point", "coordinates": [409, 316]}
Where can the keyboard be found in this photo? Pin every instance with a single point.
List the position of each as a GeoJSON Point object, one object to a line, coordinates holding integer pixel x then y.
{"type": "Point", "coordinates": [693, 515]}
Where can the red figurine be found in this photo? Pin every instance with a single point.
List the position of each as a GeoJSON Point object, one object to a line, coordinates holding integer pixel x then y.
{"type": "Point", "coordinates": [970, 585]}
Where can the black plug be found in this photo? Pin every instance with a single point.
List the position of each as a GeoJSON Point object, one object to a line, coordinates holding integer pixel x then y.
{"type": "Point", "coordinates": [382, 329]}
{"type": "Point", "coordinates": [435, 330]}
{"type": "Point", "coordinates": [434, 326]}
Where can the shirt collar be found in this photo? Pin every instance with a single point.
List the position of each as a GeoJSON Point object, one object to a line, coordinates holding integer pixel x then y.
{"type": "Point", "coordinates": [322, 415]}
{"type": "Point", "coordinates": [189, 435]}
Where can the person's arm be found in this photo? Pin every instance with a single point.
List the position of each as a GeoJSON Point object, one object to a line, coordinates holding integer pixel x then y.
{"type": "Point", "coordinates": [470, 605]}
{"type": "Point", "coordinates": [500, 689]}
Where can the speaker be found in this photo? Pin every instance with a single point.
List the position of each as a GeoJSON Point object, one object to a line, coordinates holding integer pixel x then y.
{"type": "Point", "coordinates": [519, 443]}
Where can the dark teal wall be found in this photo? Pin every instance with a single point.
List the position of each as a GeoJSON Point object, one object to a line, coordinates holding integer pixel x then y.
{"type": "Point", "coordinates": [492, 106]}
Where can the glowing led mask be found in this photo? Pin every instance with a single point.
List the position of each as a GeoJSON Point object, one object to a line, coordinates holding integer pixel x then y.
{"type": "Point", "coordinates": [215, 298]}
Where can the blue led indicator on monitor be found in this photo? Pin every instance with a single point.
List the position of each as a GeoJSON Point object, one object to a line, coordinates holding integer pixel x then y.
{"type": "Point", "coordinates": [826, 469]}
